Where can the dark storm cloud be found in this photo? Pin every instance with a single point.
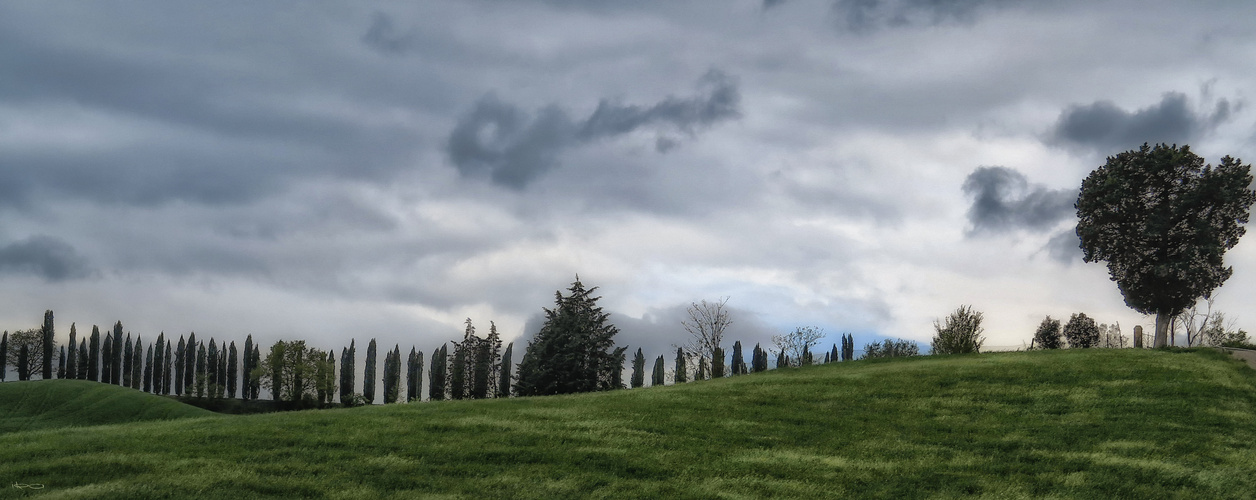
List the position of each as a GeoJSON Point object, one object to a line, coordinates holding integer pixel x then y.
{"type": "Point", "coordinates": [1065, 246]}
{"type": "Point", "coordinates": [1004, 201]}
{"type": "Point", "coordinates": [868, 15]}
{"type": "Point", "coordinates": [1104, 125]}
{"type": "Point", "coordinates": [514, 147]}
{"type": "Point", "coordinates": [45, 257]}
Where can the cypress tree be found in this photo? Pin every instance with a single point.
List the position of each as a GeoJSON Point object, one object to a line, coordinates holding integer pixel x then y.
{"type": "Point", "coordinates": [23, 363]}
{"type": "Point", "coordinates": [247, 367]}
{"type": "Point", "coordinates": [49, 338]}
{"type": "Point", "coordinates": [345, 390]}
{"type": "Point", "coordinates": [199, 379]}
{"type": "Point", "coordinates": [232, 377]}
{"type": "Point", "coordinates": [503, 384]}
{"type": "Point", "coordinates": [482, 372]}
{"type": "Point", "coordinates": [4, 354]}
{"type": "Point", "coordinates": [298, 370]}
{"type": "Point", "coordinates": [189, 365]}
{"type": "Point", "coordinates": [137, 364]}
{"type": "Point", "coordinates": [82, 357]}
{"type": "Point", "coordinates": [806, 356]}
{"type": "Point", "coordinates": [717, 363]}
{"type": "Point", "coordinates": [657, 378]}
{"type": "Point", "coordinates": [680, 377]}
{"type": "Point", "coordinates": [165, 371]}
{"type": "Point", "coordinates": [180, 359]}
{"type": "Point", "coordinates": [330, 380]}
{"type": "Point", "coordinates": [276, 359]}
{"type": "Point", "coordinates": [617, 367]}
{"type": "Point", "coordinates": [61, 363]}
{"type": "Point", "coordinates": [702, 369]}
{"type": "Point", "coordinates": [638, 369]}
{"type": "Point", "coordinates": [222, 375]}
{"type": "Point", "coordinates": [126, 361]}
{"type": "Point", "coordinates": [148, 371]}
{"type": "Point", "coordinates": [739, 362]}
{"type": "Point", "coordinates": [394, 376]}
{"type": "Point", "coordinates": [106, 357]}
{"type": "Point", "coordinates": [159, 364]}
{"type": "Point", "coordinates": [211, 368]}
{"type": "Point", "coordinates": [436, 377]}
{"type": "Point", "coordinates": [71, 363]}
{"type": "Point", "coordinates": [458, 374]}
{"type": "Point", "coordinates": [255, 380]}
{"type": "Point", "coordinates": [93, 356]}
{"type": "Point", "coordinates": [369, 374]}
{"type": "Point", "coordinates": [115, 365]}
{"type": "Point", "coordinates": [414, 374]}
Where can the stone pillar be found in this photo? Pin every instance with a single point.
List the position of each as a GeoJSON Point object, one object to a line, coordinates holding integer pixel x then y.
{"type": "Point", "coordinates": [1138, 336]}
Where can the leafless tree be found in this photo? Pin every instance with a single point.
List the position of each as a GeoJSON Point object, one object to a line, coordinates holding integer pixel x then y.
{"type": "Point", "coordinates": [795, 343]}
{"type": "Point", "coordinates": [706, 324]}
{"type": "Point", "coordinates": [33, 339]}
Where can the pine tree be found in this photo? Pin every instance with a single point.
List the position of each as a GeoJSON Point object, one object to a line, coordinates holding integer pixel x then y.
{"type": "Point", "coordinates": [200, 382]}
{"type": "Point", "coordinates": [574, 350]}
{"type": "Point", "coordinates": [49, 337]}
{"type": "Point", "coordinates": [638, 369]}
{"type": "Point", "coordinates": [503, 383]}
{"type": "Point", "coordinates": [436, 378]}
{"type": "Point", "coordinates": [148, 371]}
{"type": "Point", "coordinates": [4, 354]}
{"type": "Point", "coordinates": [180, 358]}
{"type": "Point", "coordinates": [369, 374]}
{"type": "Point", "coordinates": [82, 356]}
{"type": "Point", "coordinates": [739, 362]}
{"type": "Point", "coordinates": [680, 376]}
{"type": "Point", "coordinates": [71, 362]}
{"type": "Point", "coordinates": [717, 363]}
{"type": "Point", "coordinates": [115, 365]}
{"type": "Point", "coordinates": [656, 378]}
{"type": "Point", "coordinates": [231, 371]}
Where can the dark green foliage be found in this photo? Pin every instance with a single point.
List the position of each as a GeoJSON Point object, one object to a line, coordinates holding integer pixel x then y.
{"type": "Point", "coordinates": [657, 377]}
{"type": "Point", "coordinates": [200, 382]}
{"type": "Point", "coordinates": [137, 364]}
{"type": "Point", "coordinates": [106, 359]}
{"type": "Point", "coordinates": [702, 369]}
{"type": "Point", "coordinates": [61, 364]}
{"type": "Point", "coordinates": [759, 359]}
{"type": "Point", "coordinates": [1081, 332]}
{"type": "Point", "coordinates": [33, 340]}
{"type": "Point", "coordinates": [82, 356]}
{"type": "Point", "coordinates": [71, 362]}
{"type": "Point", "coordinates": [739, 361]}
{"type": "Point", "coordinates": [848, 347]}
{"type": "Point", "coordinates": [4, 355]}
{"type": "Point", "coordinates": [503, 382]}
{"type": "Point", "coordinates": [679, 375]}
{"type": "Point", "coordinates": [292, 373]}
{"type": "Point", "coordinates": [369, 374]}
{"type": "Point", "coordinates": [165, 370]}
{"type": "Point", "coordinates": [180, 358]}
{"type": "Point", "coordinates": [148, 370]}
{"type": "Point", "coordinates": [574, 351]}
{"type": "Point", "coordinates": [392, 375]}
{"type": "Point", "coordinates": [617, 368]}
{"type": "Point", "coordinates": [247, 367]}
{"type": "Point", "coordinates": [781, 360]}
{"type": "Point", "coordinates": [458, 373]}
{"type": "Point", "coordinates": [23, 363]}
{"type": "Point", "coordinates": [1162, 220]}
{"type": "Point", "coordinates": [255, 381]}
{"type": "Point", "coordinates": [211, 367]}
{"type": "Point", "coordinates": [49, 345]}
{"type": "Point", "coordinates": [717, 363]}
{"type": "Point", "coordinates": [638, 369]}
{"type": "Point", "coordinates": [189, 365]}
{"type": "Point", "coordinates": [93, 356]}
{"type": "Point", "coordinates": [126, 361]}
{"type": "Point", "coordinates": [116, 364]}
{"type": "Point", "coordinates": [961, 334]}
{"type": "Point", "coordinates": [347, 372]}
{"type": "Point", "coordinates": [159, 364]}
{"type": "Point", "coordinates": [328, 383]}
{"type": "Point", "coordinates": [437, 374]}
{"type": "Point", "coordinates": [414, 374]}
{"type": "Point", "coordinates": [1047, 336]}
{"type": "Point", "coordinates": [232, 375]}
{"type": "Point", "coordinates": [806, 356]}
{"type": "Point", "coordinates": [891, 349]}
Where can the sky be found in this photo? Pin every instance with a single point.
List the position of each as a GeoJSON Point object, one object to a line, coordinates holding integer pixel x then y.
{"type": "Point", "coordinates": [335, 170]}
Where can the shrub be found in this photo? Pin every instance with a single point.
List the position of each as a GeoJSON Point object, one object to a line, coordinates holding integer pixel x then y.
{"type": "Point", "coordinates": [898, 348]}
{"type": "Point", "coordinates": [1048, 334]}
{"type": "Point", "coordinates": [1081, 332]}
{"type": "Point", "coordinates": [961, 333]}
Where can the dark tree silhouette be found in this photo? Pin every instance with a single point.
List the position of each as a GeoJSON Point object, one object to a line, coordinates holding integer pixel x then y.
{"type": "Point", "coordinates": [503, 382]}
{"type": "Point", "coordinates": [574, 350]}
{"type": "Point", "coordinates": [49, 345]}
{"type": "Point", "coordinates": [72, 359]}
{"type": "Point", "coordinates": [180, 359]}
{"type": "Point", "coordinates": [232, 376]}
{"type": "Point", "coordinates": [369, 374]}
{"type": "Point", "coordinates": [638, 369]}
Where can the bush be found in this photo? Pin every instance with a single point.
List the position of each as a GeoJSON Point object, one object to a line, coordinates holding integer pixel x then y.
{"type": "Point", "coordinates": [961, 334]}
{"type": "Point", "coordinates": [891, 349]}
{"type": "Point", "coordinates": [1048, 334]}
{"type": "Point", "coordinates": [1081, 332]}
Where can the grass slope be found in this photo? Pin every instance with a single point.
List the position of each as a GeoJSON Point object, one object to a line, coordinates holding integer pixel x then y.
{"type": "Point", "coordinates": [1065, 424]}
{"type": "Point", "coordinates": [41, 404]}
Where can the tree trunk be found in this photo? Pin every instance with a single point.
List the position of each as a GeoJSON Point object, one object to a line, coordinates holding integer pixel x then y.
{"type": "Point", "coordinates": [1162, 330]}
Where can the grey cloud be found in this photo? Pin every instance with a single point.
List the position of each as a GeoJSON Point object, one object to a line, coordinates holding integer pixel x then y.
{"type": "Point", "coordinates": [868, 15]}
{"type": "Point", "coordinates": [1004, 201]}
{"type": "Point", "coordinates": [1065, 246]}
{"type": "Point", "coordinates": [384, 36]}
{"type": "Point", "coordinates": [768, 4]}
{"type": "Point", "coordinates": [1104, 125]}
{"type": "Point", "coordinates": [45, 257]}
{"type": "Point", "coordinates": [514, 147]}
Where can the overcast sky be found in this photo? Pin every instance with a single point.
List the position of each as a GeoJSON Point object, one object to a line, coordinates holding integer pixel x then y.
{"type": "Point", "coordinates": [344, 170]}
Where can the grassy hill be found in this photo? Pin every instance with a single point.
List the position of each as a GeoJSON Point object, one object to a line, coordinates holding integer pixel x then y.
{"type": "Point", "coordinates": [1073, 424]}
{"type": "Point", "coordinates": [50, 404]}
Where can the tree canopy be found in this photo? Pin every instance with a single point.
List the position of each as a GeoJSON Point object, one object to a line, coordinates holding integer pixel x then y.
{"type": "Point", "coordinates": [1162, 220]}
{"type": "Point", "coordinates": [574, 350]}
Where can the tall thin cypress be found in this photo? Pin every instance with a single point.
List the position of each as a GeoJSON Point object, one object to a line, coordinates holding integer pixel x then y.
{"type": "Point", "coordinates": [344, 364]}
{"type": "Point", "coordinates": [180, 361]}
{"type": "Point", "coordinates": [49, 338]}
{"type": "Point", "coordinates": [330, 381]}
{"type": "Point", "coordinates": [680, 376]}
{"type": "Point", "coordinates": [82, 356]}
{"type": "Point", "coordinates": [199, 375]}
{"type": "Point", "coordinates": [369, 374]}
{"type": "Point", "coordinates": [392, 375]}
{"type": "Point", "coordinates": [93, 356]}
{"type": "Point", "coordinates": [189, 365]}
{"type": "Point", "coordinates": [115, 365]}
{"type": "Point", "coordinates": [4, 354]}
{"type": "Point", "coordinates": [503, 384]}
{"type": "Point", "coordinates": [61, 363]}
{"type": "Point", "coordinates": [247, 367]}
{"type": "Point", "coordinates": [211, 368]}
{"type": "Point", "coordinates": [165, 370]}
{"type": "Point", "coordinates": [739, 362]}
{"type": "Point", "coordinates": [126, 361]}
{"type": "Point", "coordinates": [657, 377]}
{"type": "Point", "coordinates": [458, 374]}
{"type": "Point", "coordinates": [23, 363]}
{"type": "Point", "coordinates": [411, 366]}
{"type": "Point", "coordinates": [137, 364]}
{"type": "Point", "coordinates": [717, 363]}
{"type": "Point", "coordinates": [232, 377]}
{"type": "Point", "coordinates": [106, 357]}
{"type": "Point", "coordinates": [436, 378]}
{"type": "Point", "coordinates": [71, 362]}
{"type": "Point", "coordinates": [255, 383]}
{"type": "Point", "coordinates": [159, 364]}
{"type": "Point", "coordinates": [638, 369]}
{"type": "Point", "coordinates": [148, 371]}
{"type": "Point", "coordinates": [222, 376]}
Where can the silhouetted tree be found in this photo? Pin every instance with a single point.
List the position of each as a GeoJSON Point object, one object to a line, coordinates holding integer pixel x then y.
{"type": "Point", "coordinates": [760, 359]}
{"type": "Point", "coordinates": [23, 363]}
{"type": "Point", "coordinates": [211, 368]}
{"type": "Point", "coordinates": [116, 364]}
{"type": "Point", "coordinates": [72, 359]}
{"type": "Point", "coordinates": [961, 334]}
{"type": "Point", "coordinates": [679, 376]}
{"type": "Point", "coordinates": [165, 369]}
{"type": "Point", "coordinates": [148, 370]}
{"type": "Point", "coordinates": [414, 375]}
{"type": "Point", "coordinates": [458, 373]}
{"type": "Point", "coordinates": [159, 364]}
{"type": "Point", "coordinates": [200, 382]}
{"type": "Point", "coordinates": [82, 356]}
{"type": "Point", "coordinates": [180, 359]}
{"type": "Point", "coordinates": [49, 345]}
{"type": "Point", "coordinates": [189, 365]}
{"type": "Point", "coordinates": [231, 370]}
{"type": "Point", "coordinates": [329, 380]}
{"type": "Point", "coordinates": [93, 356]}
{"type": "Point", "coordinates": [61, 364]}
{"type": "Point", "coordinates": [573, 351]}
{"type": "Point", "coordinates": [436, 378]}
{"type": "Point", "coordinates": [1162, 220]}
{"type": "Point", "coordinates": [656, 378]}
{"type": "Point", "coordinates": [638, 369]}
{"type": "Point", "coordinates": [369, 375]}
{"type": "Point", "coordinates": [739, 362]}
{"type": "Point", "coordinates": [4, 354]}
{"type": "Point", "coordinates": [503, 382]}
{"type": "Point", "coordinates": [137, 364]}
{"type": "Point", "coordinates": [33, 340]}
{"type": "Point", "coordinates": [1081, 332]}
{"type": "Point", "coordinates": [1048, 334]}
{"type": "Point", "coordinates": [705, 325]}
{"type": "Point", "coordinates": [347, 372]}
{"type": "Point", "coordinates": [255, 380]}
{"type": "Point", "coordinates": [127, 359]}
{"type": "Point", "coordinates": [246, 367]}
{"type": "Point", "coordinates": [717, 363]}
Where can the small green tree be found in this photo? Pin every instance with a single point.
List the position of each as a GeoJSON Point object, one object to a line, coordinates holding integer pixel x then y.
{"type": "Point", "coordinates": [436, 377]}
{"type": "Point", "coordinates": [717, 363]}
{"type": "Point", "coordinates": [739, 362]}
{"type": "Point", "coordinates": [679, 376]}
{"type": "Point", "coordinates": [369, 374]}
{"type": "Point", "coordinates": [1047, 336]}
{"type": "Point", "coordinates": [657, 377]}
{"type": "Point", "coordinates": [1081, 332]}
{"type": "Point", "coordinates": [575, 349]}
{"type": "Point", "coordinates": [961, 334]}
{"type": "Point", "coordinates": [4, 354]}
{"type": "Point", "coordinates": [71, 361]}
{"type": "Point", "coordinates": [638, 369]}
{"type": "Point", "coordinates": [49, 345]}
{"type": "Point", "coordinates": [503, 383]}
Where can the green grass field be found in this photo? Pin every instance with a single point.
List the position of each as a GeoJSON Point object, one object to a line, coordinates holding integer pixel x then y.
{"type": "Point", "coordinates": [1064, 424]}
{"type": "Point", "coordinates": [26, 406]}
